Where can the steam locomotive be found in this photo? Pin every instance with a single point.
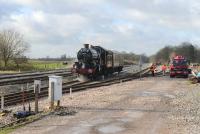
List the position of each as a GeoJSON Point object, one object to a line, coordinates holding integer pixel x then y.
{"type": "Point", "coordinates": [94, 61]}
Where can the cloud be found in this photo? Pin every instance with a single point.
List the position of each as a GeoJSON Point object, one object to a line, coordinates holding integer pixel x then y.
{"type": "Point", "coordinates": [139, 26]}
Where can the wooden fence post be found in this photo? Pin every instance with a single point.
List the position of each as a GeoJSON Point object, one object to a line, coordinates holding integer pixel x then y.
{"type": "Point", "coordinates": [2, 101]}
{"type": "Point", "coordinates": [23, 98]}
{"type": "Point", "coordinates": [58, 103]}
{"type": "Point", "coordinates": [36, 98]}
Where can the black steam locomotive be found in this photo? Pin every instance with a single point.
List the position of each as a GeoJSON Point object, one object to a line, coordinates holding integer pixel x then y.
{"type": "Point", "coordinates": [94, 61]}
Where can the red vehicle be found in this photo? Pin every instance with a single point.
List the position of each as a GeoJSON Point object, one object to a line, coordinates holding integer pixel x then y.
{"type": "Point", "coordinates": [179, 67]}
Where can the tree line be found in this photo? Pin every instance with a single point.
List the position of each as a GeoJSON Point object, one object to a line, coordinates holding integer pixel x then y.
{"type": "Point", "coordinates": [186, 49]}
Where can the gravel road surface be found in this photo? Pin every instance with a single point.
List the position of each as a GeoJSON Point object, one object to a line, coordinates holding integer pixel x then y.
{"type": "Point", "coordinates": [146, 106]}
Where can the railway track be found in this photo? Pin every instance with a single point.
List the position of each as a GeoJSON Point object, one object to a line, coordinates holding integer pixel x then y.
{"type": "Point", "coordinates": [30, 77]}
{"type": "Point", "coordinates": [16, 98]}
{"type": "Point", "coordinates": [32, 74]}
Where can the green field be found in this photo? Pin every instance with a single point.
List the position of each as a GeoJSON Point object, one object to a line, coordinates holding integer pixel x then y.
{"type": "Point", "coordinates": [48, 65]}
{"type": "Point", "coordinates": [35, 65]}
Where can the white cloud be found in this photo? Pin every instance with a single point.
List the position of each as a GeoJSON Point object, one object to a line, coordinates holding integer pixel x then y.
{"type": "Point", "coordinates": [137, 14]}
{"type": "Point", "coordinates": [39, 17]}
{"type": "Point", "coordinates": [139, 26]}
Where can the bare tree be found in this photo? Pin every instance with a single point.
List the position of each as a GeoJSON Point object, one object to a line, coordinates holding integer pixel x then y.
{"type": "Point", "coordinates": [20, 60]}
{"type": "Point", "coordinates": [12, 44]}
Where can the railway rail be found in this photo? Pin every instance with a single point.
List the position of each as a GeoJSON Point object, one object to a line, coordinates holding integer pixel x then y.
{"type": "Point", "coordinates": [32, 74]}
{"type": "Point", "coordinates": [30, 77]}
{"type": "Point", "coordinates": [16, 98]}
{"type": "Point", "coordinates": [27, 78]}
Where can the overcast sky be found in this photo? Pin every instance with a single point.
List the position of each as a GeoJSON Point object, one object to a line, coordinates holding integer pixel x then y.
{"type": "Point", "coordinates": [55, 27]}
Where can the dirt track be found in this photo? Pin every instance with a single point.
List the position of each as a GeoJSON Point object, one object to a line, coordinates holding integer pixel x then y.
{"type": "Point", "coordinates": [140, 106]}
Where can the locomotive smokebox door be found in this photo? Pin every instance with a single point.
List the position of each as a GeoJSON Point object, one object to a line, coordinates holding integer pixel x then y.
{"type": "Point", "coordinates": [86, 45]}
{"type": "Point", "coordinates": [57, 80]}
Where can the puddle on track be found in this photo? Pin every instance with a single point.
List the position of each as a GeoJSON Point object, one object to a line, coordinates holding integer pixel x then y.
{"type": "Point", "coordinates": [110, 129]}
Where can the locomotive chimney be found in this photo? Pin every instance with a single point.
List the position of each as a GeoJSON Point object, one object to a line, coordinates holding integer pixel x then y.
{"type": "Point", "coordinates": [91, 46]}
{"type": "Point", "coordinates": [86, 45]}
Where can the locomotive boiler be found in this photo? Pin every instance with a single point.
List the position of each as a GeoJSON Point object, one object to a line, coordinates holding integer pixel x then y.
{"type": "Point", "coordinates": [94, 61]}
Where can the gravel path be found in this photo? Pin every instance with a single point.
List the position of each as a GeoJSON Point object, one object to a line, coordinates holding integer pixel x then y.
{"type": "Point", "coordinates": [150, 105]}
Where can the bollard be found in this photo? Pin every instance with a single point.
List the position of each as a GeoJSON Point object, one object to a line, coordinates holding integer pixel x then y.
{"type": "Point", "coordinates": [70, 92]}
{"type": "Point", "coordinates": [2, 101]}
